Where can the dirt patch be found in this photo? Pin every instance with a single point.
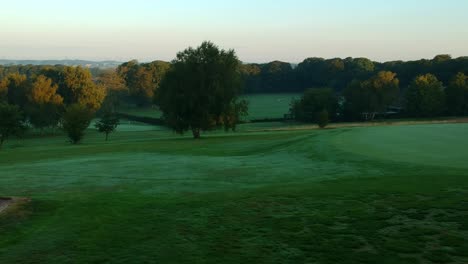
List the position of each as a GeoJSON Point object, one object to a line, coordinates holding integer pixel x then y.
{"type": "Point", "coordinates": [4, 203]}
{"type": "Point", "coordinates": [9, 203]}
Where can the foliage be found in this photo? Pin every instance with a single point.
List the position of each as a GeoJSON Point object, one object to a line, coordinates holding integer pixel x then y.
{"type": "Point", "coordinates": [143, 79]}
{"type": "Point", "coordinates": [425, 97]}
{"type": "Point", "coordinates": [200, 91]}
{"type": "Point", "coordinates": [16, 87]}
{"type": "Point", "coordinates": [457, 95]}
{"type": "Point", "coordinates": [45, 105]}
{"type": "Point", "coordinates": [115, 89]}
{"type": "Point", "coordinates": [11, 122]}
{"type": "Point", "coordinates": [314, 102]}
{"type": "Point", "coordinates": [323, 118]}
{"type": "Point", "coordinates": [78, 87]}
{"type": "Point", "coordinates": [107, 124]}
{"type": "Point", "coordinates": [371, 96]}
{"type": "Point", "coordinates": [75, 121]}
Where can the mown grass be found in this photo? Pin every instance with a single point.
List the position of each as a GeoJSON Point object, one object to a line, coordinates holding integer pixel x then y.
{"type": "Point", "coordinates": [350, 195]}
{"type": "Point", "coordinates": [261, 106]}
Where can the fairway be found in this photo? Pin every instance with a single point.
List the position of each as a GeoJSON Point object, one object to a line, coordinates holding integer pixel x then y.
{"type": "Point", "coordinates": [386, 194]}
{"type": "Point", "coordinates": [261, 106]}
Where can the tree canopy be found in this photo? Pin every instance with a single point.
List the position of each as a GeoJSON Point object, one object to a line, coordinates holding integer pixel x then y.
{"type": "Point", "coordinates": [313, 104]}
{"type": "Point", "coordinates": [11, 122]}
{"type": "Point", "coordinates": [425, 97]}
{"type": "Point", "coordinates": [200, 91]}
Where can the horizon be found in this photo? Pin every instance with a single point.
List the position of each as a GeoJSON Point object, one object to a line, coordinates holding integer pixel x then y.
{"type": "Point", "coordinates": [243, 62]}
{"type": "Point", "coordinates": [259, 32]}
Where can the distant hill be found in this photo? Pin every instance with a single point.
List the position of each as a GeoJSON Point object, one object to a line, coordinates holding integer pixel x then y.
{"type": "Point", "coordinates": [83, 63]}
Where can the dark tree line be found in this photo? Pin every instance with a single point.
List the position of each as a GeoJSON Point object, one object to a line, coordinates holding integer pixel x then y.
{"type": "Point", "coordinates": [382, 95]}
{"type": "Point", "coordinates": [339, 73]}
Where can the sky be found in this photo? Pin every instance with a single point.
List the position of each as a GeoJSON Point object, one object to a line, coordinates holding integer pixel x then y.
{"type": "Point", "coordinates": [259, 30]}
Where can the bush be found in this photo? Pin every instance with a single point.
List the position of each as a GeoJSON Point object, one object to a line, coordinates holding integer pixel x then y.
{"type": "Point", "coordinates": [323, 118]}
{"type": "Point", "coordinates": [76, 120]}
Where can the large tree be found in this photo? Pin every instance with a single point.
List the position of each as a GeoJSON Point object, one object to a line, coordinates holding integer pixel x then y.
{"type": "Point", "coordinates": [371, 96]}
{"type": "Point", "coordinates": [457, 95]}
{"type": "Point", "coordinates": [143, 79]}
{"type": "Point", "coordinates": [115, 87]}
{"type": "Point", "coordinates": [11, 122]}
{"type": "Point", "coordinates": [425, 97]}
{"type": "Point", "coordinates": [16, 87]}
{"type": "Point", "coordinates": [77, 86]}
{"type": "Point", "coordinates": [200, 91]}
{"type": "Point", "coordinates": [44, 107]}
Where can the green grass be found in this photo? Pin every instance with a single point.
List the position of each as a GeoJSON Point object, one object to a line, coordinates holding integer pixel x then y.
{"type": "Point", "coordinates": [265, 106]}
{"type": "Point", "coordinates": [261, 106]}
{"type": "Point", "coordinates": [389, 194]}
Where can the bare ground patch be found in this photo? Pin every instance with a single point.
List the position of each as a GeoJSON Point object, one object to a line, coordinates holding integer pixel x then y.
{"type": "Point", "coordinates": [8, 202]}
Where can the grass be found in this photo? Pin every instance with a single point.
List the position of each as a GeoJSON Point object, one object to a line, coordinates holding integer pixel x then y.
{"type": "Point", "coordinates": [384, 194]}
{"type": "Point", "coordinates": [266, 106]}
{"type": "Point", "coordinates": [261, 106]}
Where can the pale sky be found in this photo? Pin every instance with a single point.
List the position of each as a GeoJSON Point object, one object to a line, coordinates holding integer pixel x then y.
{"type": "Point", "coordinates": [259, 30]}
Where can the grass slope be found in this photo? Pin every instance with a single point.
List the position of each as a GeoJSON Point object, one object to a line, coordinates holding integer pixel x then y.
{"type": "Point", "coordinates": [351, 195]}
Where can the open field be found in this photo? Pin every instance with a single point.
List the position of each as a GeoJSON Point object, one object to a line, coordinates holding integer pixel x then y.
{"type": "Point", "coordinates": [266, 106]}
{"type": "Point", "coordinates": [261, 106]}
{"type": "Point", "coordinates": [380, 194]}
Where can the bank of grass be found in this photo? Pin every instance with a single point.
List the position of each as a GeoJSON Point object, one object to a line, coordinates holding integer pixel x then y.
{"type": "Point", "coordinates": [347, 195]}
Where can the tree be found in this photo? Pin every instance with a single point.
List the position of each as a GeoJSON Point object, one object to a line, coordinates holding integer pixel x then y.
{"type": "Point", "coordinates": [75, 121]}
{"type": "Point", "coordinates": [371, 96]}
{"type": "Point", "coordinates": [200, 91]}
{"type": "Point", "coordinates": [313, 102]}
{"type": "Point", "coordinates": [107, 124]}
{"type": "Point", "coordinates": [77, 86]}
{"type": "Point", "coordinates": [45, 104]}
{"type": "Point", "coordinates": [425, 97]}
{"type": "Point", "coordinates": [322, 118]}
{"type": "Point", "coordinates": [11, 122]}
{"type": "Point", "coordinates": [3, 90]}
{"type": "Point", "coordinates": [457, 95]}
{"type": "Point", "coordinates": [115, 89]}
{"type": "Point", "coordinates": [17, 88]}
{"type": "Point", "coordinates": [143, 79]}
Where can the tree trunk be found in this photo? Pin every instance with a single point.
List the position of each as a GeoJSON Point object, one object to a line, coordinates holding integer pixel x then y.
{"type": "Point", "coordinates": [107, 136]}
{"type": "Point", "coordinates": [196, 133]}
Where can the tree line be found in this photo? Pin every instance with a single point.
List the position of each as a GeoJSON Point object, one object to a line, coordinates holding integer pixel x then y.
{"type": "Point", "coordinates": [338, 73]}
{"type": "Point", "coordinates": [199, 90]}
{"type": "Point", "coordinates": [382, 95]}
{"type": "Point", "coordinates": [53, 96]}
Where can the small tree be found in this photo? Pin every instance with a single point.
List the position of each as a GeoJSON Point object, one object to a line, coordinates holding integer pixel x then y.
{"type": "Point", "coordinates": [11, 122]}
{"type": "Point", "coordinates": [75, 121]}
{"type": "Point", "coordinates": [107, 124]}
{"type": "Point", "coordinates": [323, 118]}
{"type": "Point", "coordinates": [312, 103]}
